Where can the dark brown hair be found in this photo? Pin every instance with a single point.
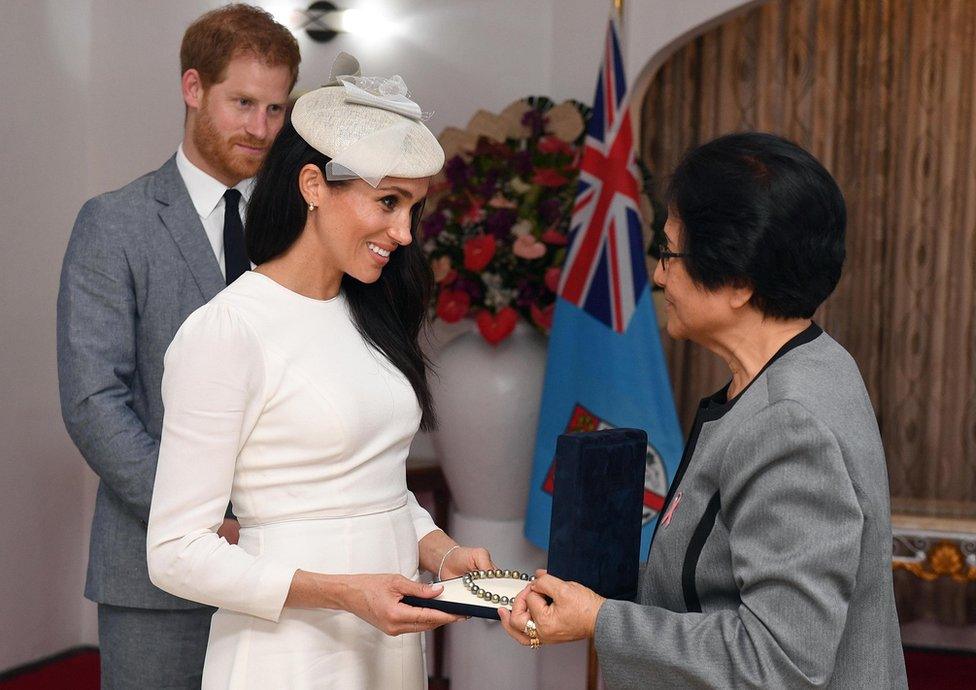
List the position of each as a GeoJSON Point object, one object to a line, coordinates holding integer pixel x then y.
{"type": "Point", "coordinates": [757, 210]}
{"type": "Point", "coordinates": [220, 35]}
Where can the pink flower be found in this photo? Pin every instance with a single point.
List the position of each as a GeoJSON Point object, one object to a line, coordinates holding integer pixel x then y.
{"type": "Point", "coordinates": [551, 278]}
{"type": "Point", "coordinates": [478, 252]}
{"type": "Point", "coordinates": [453, 305]}
{"type": "Point", "coordinates": [528, 247]}
{"type": "Point", "coordinates": [441, 268]}
{"type": "Point", "coordinates": [496, 327]}
{"type": "Point", "coordinates": [500, 201]}
{"type": "Point", "coordinates": [475, 212]}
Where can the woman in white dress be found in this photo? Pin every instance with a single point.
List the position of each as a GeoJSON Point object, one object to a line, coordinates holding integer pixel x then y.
{"type": "Point", "coordinates": [295, 394]}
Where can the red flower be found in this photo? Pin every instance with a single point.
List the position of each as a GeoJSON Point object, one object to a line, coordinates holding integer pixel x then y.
{"type": "Point", "coordinates": [453, 305]}
{"type": "Point", "coordinates": [547, 177]}
{"type": "Point", "coordinates": [551, 144]}
{"type": "Point", "coordinates": [492, 149]}
{"type": "Point", "coordinates": [553, 236]}
{"type": "Point", "coordinates": [543, 317]}
{"type": "Point", "coordinates": [551, 278]}
{"type": "Point", "coordinates": [478, 252]}
{"type": "Point", "coordinates": [496, 327]}
{"type": "Point", "coordinates": [474, 212]}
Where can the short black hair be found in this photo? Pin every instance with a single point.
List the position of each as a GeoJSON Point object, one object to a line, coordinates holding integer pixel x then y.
{"type": "Point", "coordinates": [389, 313]}
{"type": "Point", "coordinates": [758, 210]}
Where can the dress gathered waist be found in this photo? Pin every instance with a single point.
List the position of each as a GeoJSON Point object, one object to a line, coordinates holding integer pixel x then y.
{"type": "Point", "coordinates": [377, 542]}
{"type": "Point", "coordinates": [326, 515]}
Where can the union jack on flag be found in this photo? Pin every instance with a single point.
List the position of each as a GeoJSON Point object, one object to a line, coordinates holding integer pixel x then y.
{"type": "Point", "coordinates": [605, 273]}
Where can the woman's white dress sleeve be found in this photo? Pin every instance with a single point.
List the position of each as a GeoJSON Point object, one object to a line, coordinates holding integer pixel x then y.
{"type": "Point", "coordinates": [213, 394]}
{"type": "Point", "coordinates": [423, 524]}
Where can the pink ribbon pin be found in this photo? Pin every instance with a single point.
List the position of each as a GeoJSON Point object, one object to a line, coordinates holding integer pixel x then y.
{"type": "Point", "coordinates": [671, 508]}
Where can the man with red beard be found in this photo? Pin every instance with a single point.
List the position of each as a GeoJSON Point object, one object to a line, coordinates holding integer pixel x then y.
{"type": "Point", "coordinates": [139, 261]}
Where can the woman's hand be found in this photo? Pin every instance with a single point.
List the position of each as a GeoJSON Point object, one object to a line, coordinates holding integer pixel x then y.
{"type": "Point", "coordinates": [377, 600]}
{"type": "Point", "coordinates": [465, 559]}
{"type": "Point", "coordinates": [374, 598]}
{"type": "Point", "coordinates": [571, 615]}
{"type": "Point", "coordinates": [442, 556]}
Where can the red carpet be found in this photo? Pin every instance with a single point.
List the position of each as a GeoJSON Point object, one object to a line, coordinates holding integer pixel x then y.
{"type": "Point", "coordinates": [77, 669]}
{"type": "Point", "coordinates": [936, 669]}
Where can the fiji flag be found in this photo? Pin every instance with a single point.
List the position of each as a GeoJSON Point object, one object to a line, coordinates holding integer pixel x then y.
{"type": "Point", "coordinates": [605, 365]}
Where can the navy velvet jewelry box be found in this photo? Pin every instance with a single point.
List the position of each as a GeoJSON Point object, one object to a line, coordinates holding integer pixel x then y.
{"type": "Point", "coordinates": [595, 526]}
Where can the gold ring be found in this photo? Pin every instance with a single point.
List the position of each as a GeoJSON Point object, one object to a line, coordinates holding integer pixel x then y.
{"type": "Point", "coordinates": [530, 629]}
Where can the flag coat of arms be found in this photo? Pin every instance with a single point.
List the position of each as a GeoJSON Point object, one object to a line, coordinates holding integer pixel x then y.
{"type": "Point", "coordinates": [605, 366]}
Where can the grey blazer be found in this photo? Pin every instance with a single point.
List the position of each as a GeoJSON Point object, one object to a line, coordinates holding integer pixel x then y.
{"type": "Point", "coordinates": [137, 264]}
{"type": "Point", "coordinates": [774, 569]}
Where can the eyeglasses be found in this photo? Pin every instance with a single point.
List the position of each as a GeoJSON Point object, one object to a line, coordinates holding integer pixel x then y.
{"type": "Point", "coordinates": [664, 255]}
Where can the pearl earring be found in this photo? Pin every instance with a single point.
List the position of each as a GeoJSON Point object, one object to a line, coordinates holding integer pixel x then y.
{"type": "Point", "coordinates": [311, 206]}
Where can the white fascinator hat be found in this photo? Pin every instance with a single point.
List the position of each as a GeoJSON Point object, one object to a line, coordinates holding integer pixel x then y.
{"type": "Point", "coordinates": [368, 126]}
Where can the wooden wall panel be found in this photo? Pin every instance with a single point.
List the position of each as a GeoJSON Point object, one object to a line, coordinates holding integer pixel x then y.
{"type": "Point", "coordinates": [882, 92]}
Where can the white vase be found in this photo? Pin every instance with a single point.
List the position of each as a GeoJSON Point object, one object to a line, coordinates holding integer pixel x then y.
{"type": "Point", "coordinates": [487, 399]}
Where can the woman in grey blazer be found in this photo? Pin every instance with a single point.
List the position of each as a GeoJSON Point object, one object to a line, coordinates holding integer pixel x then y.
{"type": "Point", "coordinates": [771, 562]}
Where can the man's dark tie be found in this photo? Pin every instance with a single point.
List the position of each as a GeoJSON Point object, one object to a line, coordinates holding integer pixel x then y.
{"type": "Point", "coordinates": [235, 256]}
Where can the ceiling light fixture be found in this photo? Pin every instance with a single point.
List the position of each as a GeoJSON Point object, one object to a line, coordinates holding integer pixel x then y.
{"type": "Point", "coordinates": [324, 21]}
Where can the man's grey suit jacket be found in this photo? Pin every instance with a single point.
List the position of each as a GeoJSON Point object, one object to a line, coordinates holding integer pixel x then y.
{"type": "Point", "coordinates": [137, 264]}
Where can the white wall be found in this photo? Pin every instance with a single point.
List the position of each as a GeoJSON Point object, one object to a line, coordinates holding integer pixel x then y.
{"type": "Point", "coordinates": [455, 56]}
{"type": "Point", "coordinates": [137, 114]}
{"type": "Point", "coordinates": [44, 498]}
{"type": "Point", "coordinates": [89, 99]}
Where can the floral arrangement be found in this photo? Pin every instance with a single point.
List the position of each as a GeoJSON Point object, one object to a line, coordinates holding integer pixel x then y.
{"type": "Point", "coordinates": [496, 233]}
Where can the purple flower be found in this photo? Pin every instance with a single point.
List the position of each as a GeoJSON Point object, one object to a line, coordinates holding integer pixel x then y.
{"type": "Point", "coordinates": [457, 171]}
{"type": "Point", "coordinates": [534, 120]}
{"type": "Point", "coordinates": [551, 210]}
{"type": "Point", "coordinates": [433, 225]}
{"type": "Point", "coordinates": [471, 287]}
{"type": "Point", "coordinates": [493, 151]}
{"type": "Point", "coordinates": [523, 163]}
{"type": "Point", "coordinates": [529, 292]}
{"type": "Point", "coordinates": [489, 185]}
{"type": "Point", "coordinates": [500, 221]}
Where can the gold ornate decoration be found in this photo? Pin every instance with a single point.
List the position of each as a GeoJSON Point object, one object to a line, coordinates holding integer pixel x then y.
{"type": "Point", "coordinates": [455, 141]}
{"type": "Point", "coordinates": [566, 122]}
{"type": "Point", "coordinates": [513, 116]}
{"type": "Point", "coordinates": [563, 121]}
{"type": "Point", "coordinates": [945, 559]}
{"type": "Point", "coordinates": [930, 548]}
{"type": "Point", "coordinates": [485, 124]}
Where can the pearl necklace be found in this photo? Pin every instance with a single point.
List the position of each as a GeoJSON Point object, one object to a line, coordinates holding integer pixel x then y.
{"type": "Point", "coordinates": [470, 578]}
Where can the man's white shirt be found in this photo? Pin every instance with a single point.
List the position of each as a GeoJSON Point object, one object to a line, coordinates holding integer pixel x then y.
{"type": "Point", "coordinates": [207, 195]}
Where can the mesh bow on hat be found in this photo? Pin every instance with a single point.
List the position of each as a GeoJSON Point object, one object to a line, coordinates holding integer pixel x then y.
{"type": "Point", "coordinates": [368, 126]}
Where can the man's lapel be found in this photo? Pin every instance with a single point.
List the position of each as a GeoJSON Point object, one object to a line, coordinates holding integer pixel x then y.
{"type": "Point", "coordinates": [181, 219]}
